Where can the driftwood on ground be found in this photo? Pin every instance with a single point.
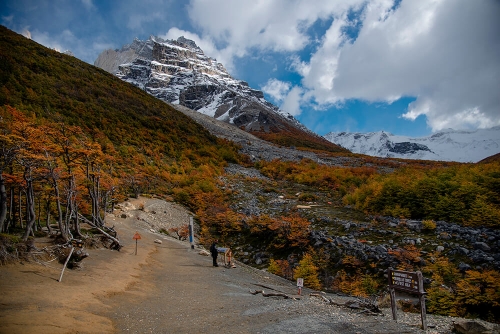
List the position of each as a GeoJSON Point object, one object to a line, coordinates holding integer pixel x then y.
{"type": "Point", "coordinates": [272, 294]}
{"type": "Point", "coordinates": [365, 306]}
{"type": "Point", "coordinates": [115, 244]}
{"type": "Point", "coordinates": [66, 263]}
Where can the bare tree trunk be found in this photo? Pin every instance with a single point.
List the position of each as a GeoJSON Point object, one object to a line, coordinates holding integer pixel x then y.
{"type": "Point", "coordinates": [60, 221]}
{"type": "Point", "coordinates": [38, 224]}
{"type": "Point", "coordinates": [30, 209]}
{"type": "Point", "coordinates": [77, 223]}
{"type": "Point", "coordinates": [10, 216]}
{"type": "Point", "coordinates": [20, 208]}
{"type": "Point", "coordinates": [47, 222]}
{"type": "Point", "coordinates": [3, 204]}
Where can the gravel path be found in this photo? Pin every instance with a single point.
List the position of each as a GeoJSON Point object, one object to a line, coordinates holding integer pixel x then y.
{"type": "Point", "coordinates": [178, 291]}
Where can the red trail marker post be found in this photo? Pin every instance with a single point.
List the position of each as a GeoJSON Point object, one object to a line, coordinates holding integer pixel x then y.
{"type": "Point", "coordinates": [136, 237]}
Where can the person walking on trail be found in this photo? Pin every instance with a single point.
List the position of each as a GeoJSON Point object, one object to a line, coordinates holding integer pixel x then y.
{"type": "Point", "coordinates": [215, 253]}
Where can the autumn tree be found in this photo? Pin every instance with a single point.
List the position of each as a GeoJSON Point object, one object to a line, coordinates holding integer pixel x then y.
{"type": "Point", "coordinates": [308, 271]}
{"type": "Point", "coordinates": [10, 145]}
{"type": "Point", "coordinates": [30, 158]}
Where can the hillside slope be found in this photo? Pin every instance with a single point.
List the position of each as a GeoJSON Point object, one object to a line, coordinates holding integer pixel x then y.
{"type": "Point", "coordinates": [51, 86]}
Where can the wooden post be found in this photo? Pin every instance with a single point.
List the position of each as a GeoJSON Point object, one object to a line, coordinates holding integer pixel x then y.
{"type": "Point", "coordinates": [410, 282]}
{"type": "Point", "coordinates": [393, 304]}
{"type": "Point", "coordinates": [422, 300]}
{"type": "Point", "coordinates": [136, 237]}
{"type": "Point", "coordinates": [66, 263]}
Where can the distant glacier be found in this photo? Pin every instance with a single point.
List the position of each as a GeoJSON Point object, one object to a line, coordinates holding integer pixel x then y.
{"type": "Point", "coordinates": [446, 145]}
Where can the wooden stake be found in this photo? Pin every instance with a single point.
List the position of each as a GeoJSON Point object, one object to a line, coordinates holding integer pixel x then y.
{"type": "Point", "coordinates": [393, 304]}
{"type": "Point", "coordinates": [66, 263]}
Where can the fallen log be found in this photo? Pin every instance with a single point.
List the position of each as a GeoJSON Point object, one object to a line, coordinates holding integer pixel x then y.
{"type": "Point", "coordinates": [272, 294]}
{"type": "Point", "coordinates": [115, 244]}
{"type": "Point", "coordinates": [366, 306]}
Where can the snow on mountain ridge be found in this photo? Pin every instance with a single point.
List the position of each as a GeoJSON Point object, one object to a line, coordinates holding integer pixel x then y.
{"type": "Point", "coordinates": [446, 145]}
{"type": "Point", "coordinates": [178, 72]}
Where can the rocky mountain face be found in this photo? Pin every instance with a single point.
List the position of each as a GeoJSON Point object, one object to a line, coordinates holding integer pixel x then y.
{"type": "Point", "coordinates": [178, 71]}
{"type": "Point", "coordinates": [447, 145]}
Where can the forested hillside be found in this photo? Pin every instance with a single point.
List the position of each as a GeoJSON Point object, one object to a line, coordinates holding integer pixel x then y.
{"type": "Point", "coordinates": [75, 141]}
{"type": "Point", "coordinates": [78, 140]}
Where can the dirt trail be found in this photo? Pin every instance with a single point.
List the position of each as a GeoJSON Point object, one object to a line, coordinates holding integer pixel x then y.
{"type": "Point", "coordinates": [170, 288]}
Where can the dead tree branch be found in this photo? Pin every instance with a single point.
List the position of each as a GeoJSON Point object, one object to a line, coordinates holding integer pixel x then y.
{"type": "Point", "coordinates": [116, 243]}
{"type": "Point", "coordinates": [365, 305]}
{"type": "Point", "coordinates": [272, 294]}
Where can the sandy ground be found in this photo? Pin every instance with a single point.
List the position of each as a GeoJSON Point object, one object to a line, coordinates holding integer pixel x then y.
{"type": "Point", "coordinates": [171, 288]}
{"type": "Point", "coordinates": [33, 301]}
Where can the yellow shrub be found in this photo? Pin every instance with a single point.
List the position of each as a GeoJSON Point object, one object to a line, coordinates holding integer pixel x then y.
{"type": "Point", "coordinates": [429, 225]}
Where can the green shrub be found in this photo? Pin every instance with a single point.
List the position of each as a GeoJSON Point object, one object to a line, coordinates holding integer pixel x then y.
{"type": "Point", "coordinates": [307, 197]}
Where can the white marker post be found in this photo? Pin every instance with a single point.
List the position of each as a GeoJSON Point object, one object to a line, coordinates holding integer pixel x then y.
{"type": "Point", "coordinates": [191, 232]}
{"type": "Point", "coordinates": [300, 284]}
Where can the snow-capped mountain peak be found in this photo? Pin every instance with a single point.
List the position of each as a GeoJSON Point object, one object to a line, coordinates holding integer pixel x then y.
{"type": "Point", "coordinates": [178, 71]}
{"type": "Point", "coordinates": [445, 145]}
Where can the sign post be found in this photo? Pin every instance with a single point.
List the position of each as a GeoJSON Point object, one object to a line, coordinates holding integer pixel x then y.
{"type": "Point", "coordinates": [410, 282]}
{"type": "Point", "coordinates": [300, 284]}
{"type": "Point", "coordinates": [191, 232]}
{"type": "Point", "coordinates": [136, 237]}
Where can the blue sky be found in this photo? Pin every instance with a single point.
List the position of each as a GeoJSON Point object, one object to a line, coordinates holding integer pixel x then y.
{"type": "Point", "coordinates": [408, 67]}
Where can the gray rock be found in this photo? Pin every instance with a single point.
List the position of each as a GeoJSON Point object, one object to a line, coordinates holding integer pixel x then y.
{"type": "Point", "coordinates": [463, 267]}
{"type": "Point", "coordinates": [380, 249]}
{"type": "Point", "coordinates": [475, 327]}
{"type": "Point", "coordinates": [463, 250]}
{"type": "Point", "coordinates": [482, 246]}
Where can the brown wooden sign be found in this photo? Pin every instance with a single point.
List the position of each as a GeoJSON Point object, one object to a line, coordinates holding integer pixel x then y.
{"type": "Point", "coordinates": [410, 282]}
{"type": "Point", "coordinates": [406, 281]}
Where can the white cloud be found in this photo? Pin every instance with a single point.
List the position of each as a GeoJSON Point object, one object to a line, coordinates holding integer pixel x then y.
{"type": "Point", "coordinates": [276, 89]}
{"type": "Point", "coordinates": [7, 20]}
{"type": "Point", "coordinates": [292, 101]}
{"type": "Point", "coordinates": [289, 98]}
{"type": "Point", "coordinates": [445, 53]}
{"type": "Point", "coordinates": [88, 4]}
{"type": "Point", "coordinates": [238, 27]}
{"type": "Point", "coordinates": [26, 33]}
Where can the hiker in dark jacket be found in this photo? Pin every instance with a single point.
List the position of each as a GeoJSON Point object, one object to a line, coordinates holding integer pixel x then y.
{"type": "Point", "coordinates": [215, 253]}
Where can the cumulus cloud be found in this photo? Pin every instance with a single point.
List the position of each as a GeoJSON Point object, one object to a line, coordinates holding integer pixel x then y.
{"type": "Point", "coordinates": [293, 101]}
{"type": "Point", "coordinates": [238, 27]}
{"type": "Point", "coordinates": [445, 53]}
{"type": "Point", "coordinates": [276, 89]}
{"type": "Point", "coordinates": [287, 97]}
